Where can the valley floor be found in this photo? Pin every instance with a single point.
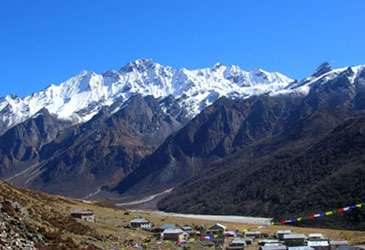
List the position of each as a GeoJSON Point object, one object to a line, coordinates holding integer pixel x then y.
{"type": "Point", "coordinates": [112, 222]}
{"type": "Point", "coordinates": [214, 218]}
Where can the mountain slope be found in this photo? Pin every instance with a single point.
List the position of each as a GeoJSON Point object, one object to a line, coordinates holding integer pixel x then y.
{"type": "Point", "coordinates": [82, 96]}
{"type": "Point", "coordinates": [33, 221]}
{"type": "Point", "coordinates": [253, 127]}
{"type": "Point", "coordinates": [327, 175]}
{"type": "Point", "coordinates": [103, 150]}
{"type": "Point", "coordinates": [20, 146]}
{"type": "Point", "coordinates": [218, 131]}
{"type": "Point", "coordinates": [318, 166]}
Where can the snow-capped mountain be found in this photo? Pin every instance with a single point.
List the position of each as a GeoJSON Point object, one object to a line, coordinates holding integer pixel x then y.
{"type": "Point", "coordinates": [143, 138]}
{"type": "Point", "coordinates": [81, 97]}
{"type": "Point", "coordinates": [324, 74]}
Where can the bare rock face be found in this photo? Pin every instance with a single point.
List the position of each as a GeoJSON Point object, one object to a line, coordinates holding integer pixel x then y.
{"type": "Point", "coordinates": [21, 145]}
{"type": "Point", "coordinates": [322, 69]}
{"type": "Point", "coordinates": [105, 149]}
{"type": "Point", "coordinates": [285, 183]}
{"type": "Point", "coordinates": [219, 131]}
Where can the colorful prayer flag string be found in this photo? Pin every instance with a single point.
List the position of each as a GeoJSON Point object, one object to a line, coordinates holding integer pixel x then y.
{"type": "Point", "coordinates": [340, 211]}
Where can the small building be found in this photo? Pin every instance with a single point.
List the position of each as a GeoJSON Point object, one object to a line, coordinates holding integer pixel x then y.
{"type": "Point", "coordinates": [294, 240]}
{"type": "Point", "coordinates": [280, 234]}
{"type": "Point", "coordinates": [300, 248]}
{"type": "Point", "coordinates": [190, 230]}
{"type": "Point", "coordinates": [253, 234]}
{"type": "Point", "coordinates": [175, 234]}
{"type": "Point", "coordinates": [249, 241]}
{"type": "Point", "coordinates": [140, 223]}
{"type": "Point", "coordinates": [169, 226]}
{"type": "Point", "coordinates": [273, 247]}
{"type": "Point", "coordinates": [337, 244]}
{"type": "Point", "coordinates": [269, 242]}
{"type": "Point", "coordinates": [217, 228]}
{"type": "Point", "coordinates": [349, 248]}
{"type": "Point", "coordinates": [187, 228]}
{"type": "Point", "coordinates": [319, 244]}
{"type": "Point", "coordinates": [230, 234]}
{"type": "Point", "coordinates": [316, 236]}
{"type": "Point", "coordinates": [165, 226]}
{"type": "Point", "coordinates": [83, 214]}
{"type": "Point", "coordinates": [237, 244]}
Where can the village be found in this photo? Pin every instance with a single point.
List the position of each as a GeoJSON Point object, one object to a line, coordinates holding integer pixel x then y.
{"type": "Point", "coordinates": [220, 236]}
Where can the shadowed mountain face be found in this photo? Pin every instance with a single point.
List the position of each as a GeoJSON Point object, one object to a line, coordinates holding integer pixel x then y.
{"type": "Point", "coordinates": [21, 145]}
{"type": "Point", "coordinates": [231, 145]}
{"type": "Point", "coordinates": [220, 130]}
{"type": "Point", "coordinates": [326, 175]}
{"type": "Point", "coordinates": [316, 164]}
{"type": "Point", "coordinates": [102, 151]}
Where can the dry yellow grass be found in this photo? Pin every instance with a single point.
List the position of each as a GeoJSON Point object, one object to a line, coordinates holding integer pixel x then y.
{"type": "Point", "coordinates": [110, 222]}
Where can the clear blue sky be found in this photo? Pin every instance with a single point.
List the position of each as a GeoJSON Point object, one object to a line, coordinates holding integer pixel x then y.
{"type": "Point", "coordinates": [43, 41]}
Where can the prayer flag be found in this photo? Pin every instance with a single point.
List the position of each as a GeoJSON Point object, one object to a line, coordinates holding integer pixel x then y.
{"type": "Point", "coordinates": [329, 213]}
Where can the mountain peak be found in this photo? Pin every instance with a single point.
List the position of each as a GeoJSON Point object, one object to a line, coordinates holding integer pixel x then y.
{"type": "Point", "coordinates": [217, 66]}
{"type": "Point", "coordinates": [260, 72]}
{"type": "Point", "coordinates": [139, 64]}
{"type": "Point", "coordinates": [322, 69]}
{"type": "Point", "coordinates": [79, 98]}
{"type": "Point", "coordinates": [143, 61]}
